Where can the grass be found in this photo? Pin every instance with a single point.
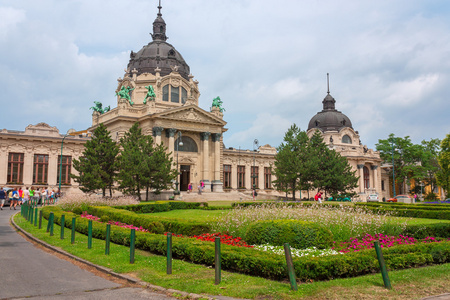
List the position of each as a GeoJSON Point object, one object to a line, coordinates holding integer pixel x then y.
{"type": "Point", "coordinates": [407, 284]}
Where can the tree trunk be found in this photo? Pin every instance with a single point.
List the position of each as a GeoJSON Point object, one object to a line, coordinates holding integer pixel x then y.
{"type": "Point", "coordinates": [104, 192]}
{"type": "Point", "coordinates": [146, 194]}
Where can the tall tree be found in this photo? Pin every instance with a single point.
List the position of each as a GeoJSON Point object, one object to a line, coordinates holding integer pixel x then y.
{"type": "Point", "coordinates": [443, 175]}
{"type": "Point", "coordinates": [406, 157]}
{"type": "Point", "coordinates": [429, 163]}
{"type": "Point", "coordinates": [96, 166]}
{"type": "Point", "coordinates": [329, 170]}
{"type": "Point", "coordinates": [290, 162]}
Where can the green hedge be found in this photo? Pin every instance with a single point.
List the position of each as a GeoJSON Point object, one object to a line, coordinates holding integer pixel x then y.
{"type": "Point", "coordinates": [406, 206]}
{"type": "Point", "coordinates": [268, 265]}
{"type": "Point", "coordinates": [299, 234]}
{"type": "Point", "coordinates": [411, 213]}
{"type": "Point", "coordinates": [154, 223]}
{"type": "Point", "coordinates": [160, 206]}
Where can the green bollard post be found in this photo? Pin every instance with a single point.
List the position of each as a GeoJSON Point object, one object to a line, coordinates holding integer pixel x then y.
{"type": "Point", "coordinates": [21, 210]}
{"type": "Point", "coordinates": [108, 238]}
{"type": "Point", "coordinates": [40, 219]}
{"type": "Point", "coordinates": [73, 230]}
{"type": "Point", "coordinates": [49, 223]}
{"type": "Point", "coordinates": [90, 235]}
{"type": "Point", "coordinates": [35, 216]}
{"type": "Point", "coordinates": [31, 214]}
{"type": "Point", "coordinates": [63, 224]}
{"type": "Point", "coordinates": [217, 261]}
{"type": "Point", "coordinates": [384, 273]}
{"type": "Point", "coordinates": [169, 253]}
{"type": "Point", "coordinates": [290, 266]}
{"type": "Point", "coordinates": [132, 245]}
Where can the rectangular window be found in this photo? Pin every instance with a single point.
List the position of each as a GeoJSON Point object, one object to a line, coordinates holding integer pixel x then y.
{"type": "Point", "coordinates": [15, 168]}
{"type": "Point", "coordinates": [267, 178]}
{"type": "Point", "coordinates": [65, 170]}
{"type": "Point", "coordinates": [183, 95]}
{"type": "Point", "coordinates": [175, 94]}
{"type": "Point", "coordinates": [40, 169]}
{"type": "Point", "coordinates": [241, 176]}
{"type": "Point", "coordinates": [382, 185]}
{"type": "Point", "coordinates": [165, 93]}
{"type": "Point", "coordinates": [227, 176]}
{"type": "Point", "coordinates": [255, 177]}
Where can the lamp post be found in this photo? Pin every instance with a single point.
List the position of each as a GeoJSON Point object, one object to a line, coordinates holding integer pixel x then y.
{"type": "Point", "coordinates": [393, 168]}
{"type": "Point", "coordinates": [179, 143]}
{"type": "Point", "coordinates": [255, 147]}
{"type": "Point", "coordinates": [60, 162]}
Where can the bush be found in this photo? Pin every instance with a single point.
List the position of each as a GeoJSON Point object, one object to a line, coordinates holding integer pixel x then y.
{"type": "Point", "coordinates": [268, 265]}
{"type": "Point", "coordinates": [160, 206]}
{"type": "Point", "coordinates": [299, 234]}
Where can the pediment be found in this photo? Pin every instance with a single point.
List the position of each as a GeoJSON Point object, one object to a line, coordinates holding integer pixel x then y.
{"type": "Point", "coordinates": [191, 113]}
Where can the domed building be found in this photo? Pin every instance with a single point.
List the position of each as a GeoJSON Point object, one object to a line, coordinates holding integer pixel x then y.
{"type": "Point", "coordinates": [338, 133]}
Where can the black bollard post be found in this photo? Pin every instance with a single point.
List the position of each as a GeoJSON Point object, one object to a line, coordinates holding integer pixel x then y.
{"type": "Point", "coordinates": [132, 245]}
{"type": "Point", "coordinates": [384, 273]}
{"type": "Point", "coordinates": [169, 253]}
{"type": "Point", "coordinates": [217, 261]}
{"type": "Point", "coordinates": [90, 234]}
{"type": "Point", "coordinates": [108, 238]}
{"type": "Point", "coordinates": [73, 230]}
{"type": "Point", "coordinates": [63, 223]}
{"type": "Point", "coordinates": [290, 266]}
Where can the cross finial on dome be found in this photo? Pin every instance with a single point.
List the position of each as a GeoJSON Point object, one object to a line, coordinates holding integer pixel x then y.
{"type": "Point", "coordinates": [159, 9]}
{"type": "Point", "coordinates": [328, 83]}
{"type": "Point", "coordinates": [159, 26]}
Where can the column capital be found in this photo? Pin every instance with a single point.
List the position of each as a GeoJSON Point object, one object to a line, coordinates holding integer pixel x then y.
{"type": "Point", "coordinates": [157, 131]}
{"type": "Point", "coordinates": [204, 136]}
{"type": "Point", "coordinates": [170, 132]}
{"type": "Point", "coordinates": [216, 137]}
{"type": "Point", "coordinates": [374, 167]}
{"type": "Point", "coordinates": [360, 166]}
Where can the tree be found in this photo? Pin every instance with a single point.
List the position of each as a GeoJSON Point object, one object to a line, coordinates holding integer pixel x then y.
{"type": "Point", "coordinates": [329, 170]}
{"type": "Point", "coordinates": [406, 156]}
{"type": "Point", "coordinates": [96, 166]}
{"type": "Point", "coordinates": [290, 162]}
{"type": "Point", "coordinates": [143, 165]}
{"type": "Point", "coordinates": [429, 163]}
{"type": "Point", "coordinates": [443, 175]}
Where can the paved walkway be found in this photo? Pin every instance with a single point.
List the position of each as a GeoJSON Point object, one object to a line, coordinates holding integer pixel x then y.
{"type": "Point", "coordinates": [28, 272]}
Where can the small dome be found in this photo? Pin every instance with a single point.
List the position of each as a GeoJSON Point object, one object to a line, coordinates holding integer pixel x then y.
{"type": "Point", "coordinates": [329, 119]}
{"type": "Point", "coordinates": [158, 53]}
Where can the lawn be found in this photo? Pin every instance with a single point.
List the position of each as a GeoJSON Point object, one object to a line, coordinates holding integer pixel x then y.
{"type": "Point", "coordinates": [407, 284]}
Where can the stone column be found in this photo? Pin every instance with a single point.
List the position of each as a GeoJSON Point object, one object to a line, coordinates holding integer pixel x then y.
{"type": "Point", "coordinates": [375, 177]}
{"type": "Point", "coordinates": [3, 164]}
{"type": "Point", "coordinates": [157, 134]}
{"type": "Point", "coordinates": [361, 178]}
{"type": "Point", "coordinates": [204, 136]}
{"type": "Point", "coordinates": [234, 183]}
{"type": "Point", "coordinates": [170, 133]}
{"type": "Point", "coordinates": [248, 176]}
{"type": "Point", "coordinates": [52, 167]}
{"type": "Point", "coordinates": [261, 177]}
{"type": "Point", "coordinates": [217, 185]}
{"type": "Point", "coordinates": [28, 163]}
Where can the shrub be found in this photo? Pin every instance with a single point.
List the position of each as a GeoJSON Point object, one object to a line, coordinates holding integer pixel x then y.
{"type": "Point", "coordinates": [160, 206]}
{"type": "Point", "coordinates": [299, 234]}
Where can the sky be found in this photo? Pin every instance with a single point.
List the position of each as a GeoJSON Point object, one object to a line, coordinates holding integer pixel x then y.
{"type": "Point", "coordinates": [389, 62]}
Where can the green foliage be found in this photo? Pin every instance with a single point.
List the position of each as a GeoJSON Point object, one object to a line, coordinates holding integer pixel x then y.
{"type": "Point", "coordinates": [431, 197]}
{"type": "Point", "coordinates": [143, 165]}
{"type": "Point", "coordinates": [269, 265]}
{"type": "Point", "coordinates": [96, 166]}
{"type": "Point", "coordinates": [443, 175]}
{"type": "Point", "coordinates": [411, 211]}
{"type": "Point", "coordinates": [299, 234]}
{"type": "Point", "coordinates": [160, 206]}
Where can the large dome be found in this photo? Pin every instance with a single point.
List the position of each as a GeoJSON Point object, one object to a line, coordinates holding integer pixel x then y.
{"type": "Point", "coordinates": [329, 119]}
{"type": "Point", "coordinates": [158, 53]}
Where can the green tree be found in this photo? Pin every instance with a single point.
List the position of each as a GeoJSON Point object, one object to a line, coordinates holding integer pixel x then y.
{"type": "Point", "coordinates": [96, 166]}
{"type": "Point", "coordinates": [443, 175]}
{"type": "Point", "coordinates": [429, 163]}
{"type": "Point", "coordinates": [143, 166]}
{"type": "Point", "coordinates": [406, 155]}
{"type": "Point", "coordinates": [290, 162]}
{"type": "Point", "coordinates": [329, 171]}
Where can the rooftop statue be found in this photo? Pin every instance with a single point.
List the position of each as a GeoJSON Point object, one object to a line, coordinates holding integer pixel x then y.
{"type": "Point", "coordinates": [218, 103]}
{"type": "Point", "coordinates": [124, 93]}
{"type": "Point", "coordinates": [150, 94]}
{"type": "Point", "coordinates": [98, 108]}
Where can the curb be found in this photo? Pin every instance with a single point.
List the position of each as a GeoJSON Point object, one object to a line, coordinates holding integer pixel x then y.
{"type": "Point", "coordinates": [111, 272]}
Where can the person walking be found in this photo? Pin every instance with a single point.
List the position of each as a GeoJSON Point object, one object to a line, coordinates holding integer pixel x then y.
{"type": "Point", "coordinates": [2, 198]}
{"type": "Point", "coordinates": [26, 195]}
{"type": "Point", "coordinates": [15, 198]}
{"type": "Point", "coordinates": [44, 195]}
{"type": "Point", "coordinates": [189, 188]}
{"type": "Point", "coordinates": [37, 196]}
{"type": "Point", "coordinates": [20, 191]}
{"type": "Point", "coordinates": [254, 194]}
{"type": "Point", "coordinates": [31, 191]}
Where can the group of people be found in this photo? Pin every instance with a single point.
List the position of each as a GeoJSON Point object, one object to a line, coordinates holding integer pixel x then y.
{"type": "Point", "coordinates": [19, 196]}
{"type": "Point", "coordinates": [200, 187]}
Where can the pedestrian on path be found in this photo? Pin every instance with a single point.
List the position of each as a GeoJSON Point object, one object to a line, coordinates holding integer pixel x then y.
{"type": "Point", "coordinates": [26, 195]}
{"type": "Point", "coordinates": [2, 198]}
{"type": "Point", "coordinates": [14, 198]}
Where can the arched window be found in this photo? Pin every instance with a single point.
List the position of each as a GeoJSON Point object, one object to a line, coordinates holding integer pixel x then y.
{"type": "Point", "coordinates": [366, 178]}
{"type": "Point", "coordinates": [166, 93]}
{"type": "Point", "coordinates": [346, 139]}
{"type": "Point", "coordinates": [189, 145]}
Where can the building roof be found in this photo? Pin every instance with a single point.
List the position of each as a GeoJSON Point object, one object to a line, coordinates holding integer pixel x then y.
{"type": "Point", "coordinates": [158, 53]}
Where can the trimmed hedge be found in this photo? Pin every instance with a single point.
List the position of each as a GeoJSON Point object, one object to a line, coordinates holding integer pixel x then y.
{"type": "Point", "coordinates": [160, 206]}
{"type": "Point", "coordinates": [299, 234]}
{"type": "Point", "coordinates": [405, 206]}
{"type": "Point", "coordinates": [268, 265]}
{"type": "Point", "coordinates": [154, 223]}
{"type": "Point", "coordinates": [410, 212]}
